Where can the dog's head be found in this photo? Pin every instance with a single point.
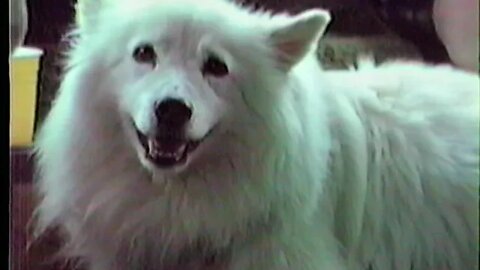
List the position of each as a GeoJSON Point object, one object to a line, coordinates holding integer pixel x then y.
{"type": "Point", "coordinates": [188, 76]}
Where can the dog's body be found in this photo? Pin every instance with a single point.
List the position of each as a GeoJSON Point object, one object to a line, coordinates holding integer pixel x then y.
{"type": "Point", "coordinates": [291, 168]}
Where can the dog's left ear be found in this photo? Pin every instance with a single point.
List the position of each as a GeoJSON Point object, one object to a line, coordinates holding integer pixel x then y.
{"type": "Point", "coordinates": [295, 36]}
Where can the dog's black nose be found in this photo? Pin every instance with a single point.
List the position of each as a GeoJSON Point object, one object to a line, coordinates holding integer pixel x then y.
{"type": "Point", "coordinates": [172, 113]}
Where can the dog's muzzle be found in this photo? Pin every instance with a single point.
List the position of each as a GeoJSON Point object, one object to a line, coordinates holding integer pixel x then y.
{"type": "Point", "coordinates": [169, 146]}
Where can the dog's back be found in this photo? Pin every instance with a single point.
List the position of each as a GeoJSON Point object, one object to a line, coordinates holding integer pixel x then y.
{"type": "Point", "coordinates": [410, 199]}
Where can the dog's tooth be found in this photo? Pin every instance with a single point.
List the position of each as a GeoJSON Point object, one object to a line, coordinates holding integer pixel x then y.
{"type": "Point", "coordinates": [179, 153]}
{"type": "Point", "coordinates": [152, 150]}
{"type": "Point", "coordinates": [150, 144]}
{"type": "Point", "coordinates": [156, 151]}
{"type": "Point", "coordinates": [165, 154]}
{"type": "Point", "coordinates": [183, 148]}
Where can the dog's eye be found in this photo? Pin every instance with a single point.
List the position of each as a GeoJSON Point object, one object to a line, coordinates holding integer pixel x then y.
{"type": "Point", "coordinates": [214, 66]}
{"type": "Point", "coordinates": [145, 53]}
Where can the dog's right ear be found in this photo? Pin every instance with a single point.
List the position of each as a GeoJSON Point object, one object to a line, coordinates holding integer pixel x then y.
{"type": "Point", "coordinates": [87, 12]}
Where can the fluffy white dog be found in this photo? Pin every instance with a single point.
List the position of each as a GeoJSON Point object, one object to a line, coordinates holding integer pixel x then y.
{"type": "Point", "coordinates": [201, 134]}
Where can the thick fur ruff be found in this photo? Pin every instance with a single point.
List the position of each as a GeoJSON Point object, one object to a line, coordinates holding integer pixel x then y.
{"type": "Point", "coordinates": [370, 169]}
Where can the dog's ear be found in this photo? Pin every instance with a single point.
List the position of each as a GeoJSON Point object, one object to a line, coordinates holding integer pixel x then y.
{"type": "Point", "coordinates": [87, 12]}
{"type": "Point", "coordinates": [295, 36]}
{"type": "Point", "coordinates": [82, 9]}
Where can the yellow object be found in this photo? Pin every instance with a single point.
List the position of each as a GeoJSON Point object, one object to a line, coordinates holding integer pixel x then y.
{"type": "Point", "coordinates": [24, 65]}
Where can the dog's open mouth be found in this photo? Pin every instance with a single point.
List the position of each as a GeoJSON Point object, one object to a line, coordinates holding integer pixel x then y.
{"type": "Point", "coordinates": [167, 151]}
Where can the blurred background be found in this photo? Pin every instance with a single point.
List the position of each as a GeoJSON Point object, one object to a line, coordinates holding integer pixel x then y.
{"type": "Point", "coordinates": [434, 31]}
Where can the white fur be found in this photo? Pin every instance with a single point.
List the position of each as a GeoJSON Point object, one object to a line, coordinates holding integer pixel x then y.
{"type": "Point", "coordinates": [305, 169]}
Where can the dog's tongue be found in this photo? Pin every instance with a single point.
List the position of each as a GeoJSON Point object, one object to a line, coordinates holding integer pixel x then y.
{"type": "Point", "coordinates": [166, 148]}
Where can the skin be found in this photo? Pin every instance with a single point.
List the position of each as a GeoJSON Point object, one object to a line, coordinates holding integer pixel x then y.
{"type": "Point", "coordinates": [456, 22]}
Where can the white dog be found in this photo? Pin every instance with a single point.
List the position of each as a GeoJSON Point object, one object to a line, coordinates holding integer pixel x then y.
{"type": "Point", "coordinates": [201, 134]}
